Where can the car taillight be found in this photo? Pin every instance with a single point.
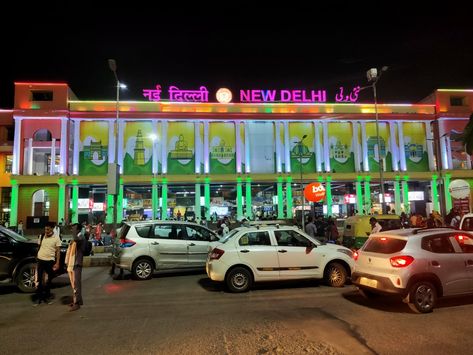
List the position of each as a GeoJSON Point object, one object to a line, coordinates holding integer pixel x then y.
{"type": "Point", "coordinates": [355, 255]}
{"type": "Point", "coordinates": [401, 261]}
{"type": "Point", "coordinates": [216, 254]}
{"type": "Point", "coordinates": [126, 243]}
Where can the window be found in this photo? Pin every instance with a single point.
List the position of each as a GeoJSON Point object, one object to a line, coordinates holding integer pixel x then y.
{"type": "Point", "coordinates": [8, 163]}
{"type": "Point", "coordinates": [255, 238]}
{"type": "Point", "coordinates": [42, 135]}
{"type": "Point", "coordinates": [384, 245]}
{"type": "Point", "coordinates": [42, 95]}
{"type": "Point", "coordinates": [289, 238]}
{"type": "Point", "coordinates": [467, 224]}
{"type": "Point", "coordinates": [168, 231]}
{"type": "Point", "coordinates": [457, 101]}
{"type": "Point", "coordinates": [197, 233]}
{"type": "Point", "coordinates": [438, 244]}
{"type": "Point", "coordinates": [143, 231]}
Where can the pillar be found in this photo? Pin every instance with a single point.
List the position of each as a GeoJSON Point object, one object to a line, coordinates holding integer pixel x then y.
{"type": "Point", "coordinates": [326, 147]}
{"type": "Point", "coordinates": [435, 196]}
{"type": "Point", "coordinates": [197, 201]}
{"type": "Point", "coordinates": [239, 199]}
{"type": "Point", "coordinates": [16, 150]}
{"type": "Point", "coordinates": [61, 200]}
{"type": "Point", "coordinates": [120, 202]}
{"type": "Point", "coordinates": [30, 156]}
{"type": "Point", "coordinates": [164, 151]}
{"type": "Point", "coordinates": [109, 208]}
{"type": "Point", "coordinates": [318, 148]}
{"type": "Point", "coordinates": [397, 195]}
{"type": "Point", "coordinates": [289, 197]}
{"type": "Point", "coordinates": [249, 211]}
{"type": "Point", "coordinates": [63, 147]}
{"type": "Point", "coordinates": [238, 146]}
{"type": "Point", "coordinates": [328, 195]}
{"type": "Point", "coordinates": [277, 130]}
{"type": "Point", "coordinates": [359, 195]}
{"type": "Point", "coordinates": [402, 148]}
{"type": "Point", "coordinates": [207, 198]}
{"type": "Point", "coordinates": [154, 198]}
{"type": "Point", "coordinates": [75, 203]}
{"type": "Point", "coordinates": [75, 150]}
{"type": "Point", "coordinates": [164, 200]}
{"type": "Point", "coordinates": [367, 199]}
{"type": "Point", "coordinates": [206, 156]}
{"type": "Point", "coordinates": [14, 203]}
{"type": "Point", "coordinates": [405, 194]}
{"type": "Point", "coordinates": [448, 197]}
{"type": "Point", "coordinates": [52, 165]}
{"type": "Point", "coordinates": [280, 198]}
{"type": "Point", "coordinates": [247, 148]}
{"type": "Point", "coordinates": [287, 149]}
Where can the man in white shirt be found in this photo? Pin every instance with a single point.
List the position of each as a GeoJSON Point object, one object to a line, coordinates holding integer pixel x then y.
{"type": "Point", "coordinates": [48, 262]}
{"type": "Point", "coordinates": [376, 227]}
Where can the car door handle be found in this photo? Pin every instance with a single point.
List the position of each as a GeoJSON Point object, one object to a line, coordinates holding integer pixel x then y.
{"type": "Point", "coordinates": [154, 243]}
{"type": "Point", "coordinates": [435, 263]}
{"type": "Point", "coordinates": [282, 251]}
{"type": "Point", "coordinates": [244, 251]}
{"type": "Point", "coordinates": [469, 262]}
{"type": "Point", "coordinates": [191, 244]}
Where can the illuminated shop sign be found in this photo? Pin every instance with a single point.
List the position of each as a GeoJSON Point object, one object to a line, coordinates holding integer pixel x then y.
{"type": "Point", "coordinates": [254, 95]}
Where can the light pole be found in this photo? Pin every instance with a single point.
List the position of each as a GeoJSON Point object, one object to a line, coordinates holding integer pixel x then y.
{"type": "Point", "coordinates": [299, 145]}
{"type": "Point", "coordinates": [113, 180]}
{"type": "Point", "coordinates": [373, 77]}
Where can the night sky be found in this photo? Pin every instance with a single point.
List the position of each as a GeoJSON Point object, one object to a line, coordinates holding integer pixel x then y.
{"type": "Point", "coordinates": [239, 47]}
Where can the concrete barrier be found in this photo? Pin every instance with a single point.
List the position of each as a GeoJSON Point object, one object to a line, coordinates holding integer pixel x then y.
{"type": "Point", "coordinates": [100, 259]}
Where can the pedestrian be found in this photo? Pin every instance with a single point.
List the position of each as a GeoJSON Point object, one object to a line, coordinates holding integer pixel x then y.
{"type": "Point", "coordinates": [57, 231]}
{"type": "Point", "coordinates": [310, 227]}
{"type": "Point", "coordinates": [375, 226]}
{"type": "Point", "coordinates": [225, 229]}
{"type": "Point", "coordinates": [98, 234]}
{"type": "Point", "coordinates": [20, 228]}
{"type": "Point", "coordinates": [48, 262]}
{"type": "Point", "coordinates": [7, 224]}
{"type": "Point", "coordinates": [74, 257]}
{"type": "Point", "coordinates": [178, 215]}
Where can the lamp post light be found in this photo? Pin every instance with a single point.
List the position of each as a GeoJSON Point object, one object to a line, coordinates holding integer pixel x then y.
{"type": "Point", "coordinates": [299, 145]}
{"type": "Point", "coordinates": [113, 180]}
{"type": "Point", "coordinates": [373, 77]}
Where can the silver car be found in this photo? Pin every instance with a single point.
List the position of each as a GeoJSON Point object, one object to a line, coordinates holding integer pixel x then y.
{"type": "Point", "coordinates": [420, 265]}
{"type": "Point", "coordinates": [143, 247]}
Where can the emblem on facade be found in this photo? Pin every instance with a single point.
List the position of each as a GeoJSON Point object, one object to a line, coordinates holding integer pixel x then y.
{"type": "Point", "coordinates": [300, 150]}
{"type": "Point", "coordinates": [139, 151]}
{"type": "Point", "coordinates": [414, 152]}
{"type": "Point", "coordinates": [95, 151]}
{"type": "Point", "coordinates": [339, 151]}
{"type": "Point", "coordinates": [181, 150]}
{"type": "Point", "coordinates": [372, 150]}
{"type": "Point", "coordinates": [222, 151]}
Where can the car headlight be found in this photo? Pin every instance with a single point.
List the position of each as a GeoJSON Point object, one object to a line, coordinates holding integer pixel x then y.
{"type": "Point", "coordinates": [346, 251]}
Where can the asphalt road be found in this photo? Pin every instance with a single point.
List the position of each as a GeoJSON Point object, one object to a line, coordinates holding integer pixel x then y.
{"type": "Point", "coordinates": [186, 313]}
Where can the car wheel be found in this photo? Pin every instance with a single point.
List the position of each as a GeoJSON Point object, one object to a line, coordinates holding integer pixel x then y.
{"type": "Point", "coordinates": [335, 275]}
{"type": "Point", "coordinates": [239, 279]}
{"type": "Point", "coordinates": [25, 279]}
{"type": "Point", "coordinates": [142, 269]}
{"type": "Point", "coordinates": [422, 297]}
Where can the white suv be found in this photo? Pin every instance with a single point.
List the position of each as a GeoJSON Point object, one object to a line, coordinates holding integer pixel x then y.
{"type": "Point", "coordinates": [419, 265]}
{"type": "Point", "coordinates": [143, 247]}
{"type": "Point", "coordinates": [269, 253]}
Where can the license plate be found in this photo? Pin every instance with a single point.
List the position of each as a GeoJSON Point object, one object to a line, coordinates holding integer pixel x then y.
{"type": "Point", "coordinates": [368, 282]}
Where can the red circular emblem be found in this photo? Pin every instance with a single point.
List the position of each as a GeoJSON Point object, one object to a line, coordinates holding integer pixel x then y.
{"type": "Point", "coordinates": [314, 192]}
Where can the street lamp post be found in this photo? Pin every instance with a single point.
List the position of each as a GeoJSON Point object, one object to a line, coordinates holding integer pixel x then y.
{"type": "Point", "coordinates": [373, 77]}
{"type": "Point", "coordinates": [299, 144]}
{"type": "Point", "coordinates": [114, 168]}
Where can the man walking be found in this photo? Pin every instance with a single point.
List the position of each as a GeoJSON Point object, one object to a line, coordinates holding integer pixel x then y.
{"type": "Point", "coordinates": [310, 227]}
{"type": "Point", "coordinates": [48, 262]}
{"type": "Point", "coordinates": [74, 257]}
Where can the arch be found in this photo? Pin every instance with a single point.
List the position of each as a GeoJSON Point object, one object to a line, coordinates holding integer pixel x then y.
{"type": "Point", "coordinates": [42, 135]}
{"type": "Point", "coordinates": [40, 203]}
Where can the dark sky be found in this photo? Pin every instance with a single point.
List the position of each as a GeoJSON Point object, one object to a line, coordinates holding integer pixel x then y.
{"type": "Point", "coordinates": [238, 46]}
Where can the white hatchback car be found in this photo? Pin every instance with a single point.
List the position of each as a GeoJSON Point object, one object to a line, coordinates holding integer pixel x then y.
{"type": "Point", "coordinates": [270, 253]}
{"type": "Point", "coordinates": [146, 246]}
{"type": "Point", "coordinates": [419, 265]}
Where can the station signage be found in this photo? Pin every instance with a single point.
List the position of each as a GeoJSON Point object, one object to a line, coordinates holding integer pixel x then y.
{"type": "Point", "coordinates": [224, 95]}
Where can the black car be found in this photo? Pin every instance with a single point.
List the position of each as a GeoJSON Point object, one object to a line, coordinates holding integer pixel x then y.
{"type": "Point", "coordinates": [18, 260]}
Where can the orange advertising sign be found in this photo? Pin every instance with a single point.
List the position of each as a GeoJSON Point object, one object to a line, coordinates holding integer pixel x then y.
{"type": "Point", "coordinates": [314, 192]}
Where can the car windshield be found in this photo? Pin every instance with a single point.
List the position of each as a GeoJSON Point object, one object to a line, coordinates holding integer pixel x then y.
{"type": "Point", "coordinates": [228, 236]}
{"type": "Point", "coordinates": [14, 235]}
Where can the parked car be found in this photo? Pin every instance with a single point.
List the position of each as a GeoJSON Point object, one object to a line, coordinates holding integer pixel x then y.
{"type": "Point", "coordinates": [18, 260]}
{"type": "Point", "coordinates": [357, 228]}
{"type": "Point", "coordinates": [270, 253]}
{"type": "Point", "coordinates": [419, 265]}
{"type": "Point", "coordinates": [143, 247]}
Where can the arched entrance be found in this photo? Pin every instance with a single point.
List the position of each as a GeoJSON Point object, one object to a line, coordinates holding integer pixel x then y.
{"type": "Point", "coordinates": [40, 204]}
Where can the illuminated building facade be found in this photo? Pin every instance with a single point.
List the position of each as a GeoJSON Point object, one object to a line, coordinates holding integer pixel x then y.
{"type": "Point", "coordinates": [238, 159]}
